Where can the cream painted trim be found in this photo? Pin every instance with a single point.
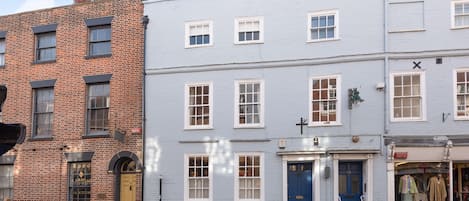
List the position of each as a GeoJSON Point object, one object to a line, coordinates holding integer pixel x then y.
{"type": "Point", "coordinates": [367, 160]}
{"type": "Point", "coordinates": [316, 176]}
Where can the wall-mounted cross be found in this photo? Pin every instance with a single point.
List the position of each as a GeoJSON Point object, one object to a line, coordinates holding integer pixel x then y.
{"type": "Point", "coordinates": [303, 122]}
{"type": "Point", "coordinates": [417, 65]}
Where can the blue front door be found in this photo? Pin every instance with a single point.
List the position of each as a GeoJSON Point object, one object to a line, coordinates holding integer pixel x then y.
{"type": "Point", "coordinates": [350, 181]}
{"type": "Point", "coordinates": [300, 181]}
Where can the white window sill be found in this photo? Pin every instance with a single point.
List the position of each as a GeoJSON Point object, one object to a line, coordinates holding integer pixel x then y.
{"type": "Point", "coordinates": [459, 28]}
{"type": "Point", "coordinates": [249, 42]}
{"type": "Point", "coordinates": [255, 126]}
{"type": "Point", "coordinates": [199, 128]}
{"type": "Point", "coordinates": [407, 120]}
{"type": "Point", "coordinates": [324, 124]}
{"type": "Point", "coordinates": [322, 40]}
{"type": "Point", "coordinates": [461, 118]}
{"type": "Point", "coordinates": [407, 31]}
{"type": "Point", "coordinates": [197, 46]}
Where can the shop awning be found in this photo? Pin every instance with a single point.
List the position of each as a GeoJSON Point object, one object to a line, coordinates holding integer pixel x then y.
{"type": "Point", "coordinates": [10, 135]}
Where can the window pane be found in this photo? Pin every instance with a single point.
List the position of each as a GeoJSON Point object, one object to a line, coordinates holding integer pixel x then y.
{"type": "Point", "coordinates": [2, 45]}
{"type": "Point", "coordinates": [330, 20]}
{"type": "Point", "coordinates": [46, 54]}
{"type": "Point", "coordinates": [330, 32]}
{"type": "Point", "coordinates": [315, 22]}
{"type": "Point", "coordinates": [46, 40]}
{"type": "Point", "coordinates": [458, 8]}
{"type": "Point", "coordinates": [100, 48]}
{"type": "Point", "coordinates": [100, 34]}
{"type": "Point", "coordinates": [322, 33]}
{"type": "Point", "coordinates": [322, 21]}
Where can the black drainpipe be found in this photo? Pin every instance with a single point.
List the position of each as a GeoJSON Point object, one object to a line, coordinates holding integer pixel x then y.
{"type": "Point", "coordinates": [145, 21]}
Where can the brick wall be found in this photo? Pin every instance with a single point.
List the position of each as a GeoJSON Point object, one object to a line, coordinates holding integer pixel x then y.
{"type": "Point", "coordinates": [40, 166]}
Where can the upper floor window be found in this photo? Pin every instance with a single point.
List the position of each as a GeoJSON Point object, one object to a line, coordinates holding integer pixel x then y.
{"type": "Point", "coordinates": [325, 101]}
{"type": "Point", "coordinates": [100, 40]}
{"type": "Point", "coordinates": [199, 34]}
{"type": "Point", "coordinates": [98, 109]}
{"type": "Point", "coordinates": [198, 176]}
{"type": "Point", "coordinates": [249, 30]}
{"type": "Point", "coordinates": [460, 11]}
{"type": "Point", "coordinates": [43, 112]}
{"type": "Point", "coordinates": [45, 42]}
{"type": "Point", "coordinates": [407, 97]}
{"type": "Point", "coordinates": [99, 36]}
{"type": "Point", "coordinates": [249, 102]}
{"type": "Point", "coordinates": [79, 185]}
{"type": "Point", "coordinates": [2, 51]}
{"type": "Point", "coordinates": [45, 46]}
{"type": "Point", "coordinates": [462, 94]}
{"type": "Point", "coordinates": [198, 105]}
{"type": "Point", "coordinates": [323, 26]}
{"type": "Point", "coordinates": [249, 184]}
{"type": "Point", "coordinates": [6, 185]}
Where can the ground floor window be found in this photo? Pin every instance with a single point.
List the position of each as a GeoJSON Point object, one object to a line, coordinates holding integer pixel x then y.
{"type": "Point", "coordinates": [79, 185]}
{"type": "Point", "coordinates": [6, 182]}
{"type": "Point", "coordinates": [421, 181]}
{"type": "Point", "coordinates": [248, 179]}
{"type": "Point", "coordinates": [198, 177]}
{"type": "Point", "coordinates": [461, 181]}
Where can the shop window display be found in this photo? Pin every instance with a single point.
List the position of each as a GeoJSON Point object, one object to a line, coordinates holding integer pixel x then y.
{"type": "Point", "coordinates": [461, 181]}
{"type": "Point", "coordinates": [421, 181]}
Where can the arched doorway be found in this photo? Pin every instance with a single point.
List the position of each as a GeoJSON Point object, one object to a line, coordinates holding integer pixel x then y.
{"type": "Point", "coordinates": [127, 168]}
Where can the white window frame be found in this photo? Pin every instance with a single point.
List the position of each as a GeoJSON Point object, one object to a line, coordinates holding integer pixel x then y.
{"type": "Point", "coordinates": [237, 20]}
{"type": "Point", "coordinates": [455, 96]}
{"type": "Point", "coordinates": [195, 23]}
{"type": "Point", "coordinates": [186, 177]}
{"type": "Point", "coordinates": [338, 104]}
{"type": "Point", "coordinates": [2, 53]}
{"type": "Point", "coordinates": [334, 12]}
{"type": "Point", "coordinates": [453, 14]}
{"type": "Point", "coordinates": [261, 175]}
{"type": "Point", "coordinates": [422, 94]}
{"type": "Point", "coordinates": [187, 124]}
{"type": "Point", "coordinates": [261, 102]}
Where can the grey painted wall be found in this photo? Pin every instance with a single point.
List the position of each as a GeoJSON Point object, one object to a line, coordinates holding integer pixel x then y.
{"type": "Point", "coordinates": [287, 86]}
{"type": "Point", "coordinates": [285, 25]}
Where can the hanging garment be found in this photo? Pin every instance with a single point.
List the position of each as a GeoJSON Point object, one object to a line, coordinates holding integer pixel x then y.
{"type": "Point", "coordinates": [407, 185]}
{"type": "Point", "coordinates": [437, 187]}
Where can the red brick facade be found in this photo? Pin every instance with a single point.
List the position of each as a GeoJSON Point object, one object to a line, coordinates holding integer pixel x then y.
{"type": "Point", "coordinates": [40, 168]}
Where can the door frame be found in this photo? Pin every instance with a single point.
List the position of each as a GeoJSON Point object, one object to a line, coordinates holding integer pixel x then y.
{"type": "Point", "coordinates": [367, 180]}
{"type": "Point", "coordinates": [302, 158]}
